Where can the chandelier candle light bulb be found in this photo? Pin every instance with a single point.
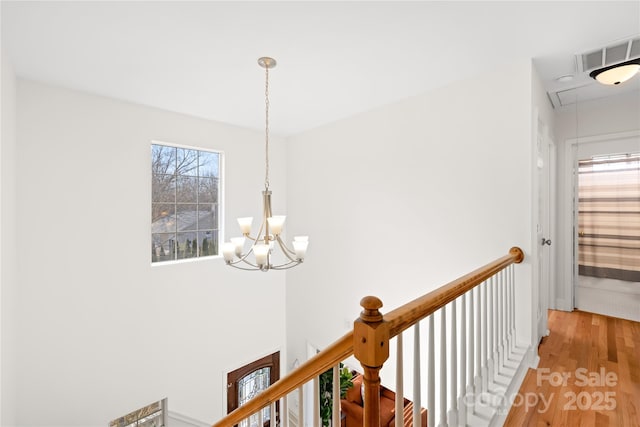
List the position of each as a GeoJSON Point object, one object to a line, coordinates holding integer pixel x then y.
{"type": "Point", "coordinates": [271, 226]}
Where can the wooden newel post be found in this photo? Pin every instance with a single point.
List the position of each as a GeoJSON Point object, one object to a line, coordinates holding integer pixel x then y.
{"type": "Point", "coordinates": [371, 348]}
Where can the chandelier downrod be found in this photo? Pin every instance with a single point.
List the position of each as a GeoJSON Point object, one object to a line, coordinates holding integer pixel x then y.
{"type": "Point", "coordinates": [266, 63]}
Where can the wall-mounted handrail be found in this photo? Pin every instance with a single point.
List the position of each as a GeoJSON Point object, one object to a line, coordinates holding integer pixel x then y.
{"type": "Point", "coordinates": [371, 330]}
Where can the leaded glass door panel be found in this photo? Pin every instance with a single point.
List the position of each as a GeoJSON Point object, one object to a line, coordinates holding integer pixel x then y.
{"type": "Point", "coordinates": [246, 382]}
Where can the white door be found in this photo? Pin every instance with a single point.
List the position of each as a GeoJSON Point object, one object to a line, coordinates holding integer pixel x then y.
{"type": "Point", "coordinates": [545, 177]}
{"type": "Point", "coordinates": [607, 226]}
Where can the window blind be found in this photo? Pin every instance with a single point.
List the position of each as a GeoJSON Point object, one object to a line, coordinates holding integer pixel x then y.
{"type": "Point", "coordinates": [609, 217]}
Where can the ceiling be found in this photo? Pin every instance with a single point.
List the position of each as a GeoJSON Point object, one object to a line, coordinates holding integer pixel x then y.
{"type": "Point", "coordinates": [335, 59]}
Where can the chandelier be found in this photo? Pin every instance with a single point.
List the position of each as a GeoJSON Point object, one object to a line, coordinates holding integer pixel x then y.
{"type": "Point", "coordinates": [269, 236]}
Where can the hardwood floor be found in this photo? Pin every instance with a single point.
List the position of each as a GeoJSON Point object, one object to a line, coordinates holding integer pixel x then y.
{"type": "Point", "coordinates": [589, 375]}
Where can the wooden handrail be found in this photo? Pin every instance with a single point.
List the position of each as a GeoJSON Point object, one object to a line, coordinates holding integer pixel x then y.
{"type": "Point", "coordinates": [411, 313]}
{"type": "Point", "coordinates": [328, 358]}
{"type": "Point", "coordinates": [392, 324]}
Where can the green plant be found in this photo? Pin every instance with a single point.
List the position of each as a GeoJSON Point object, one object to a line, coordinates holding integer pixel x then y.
{"type": "Point", "coordinates": [326, 391]}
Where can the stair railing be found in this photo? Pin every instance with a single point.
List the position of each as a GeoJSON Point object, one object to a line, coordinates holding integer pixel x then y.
{"type": "Point", "coordinates": [481, 301]}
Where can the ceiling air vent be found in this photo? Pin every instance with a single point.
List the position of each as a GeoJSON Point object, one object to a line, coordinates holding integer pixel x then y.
{"type": "Point", "coordinates": [620, 52]}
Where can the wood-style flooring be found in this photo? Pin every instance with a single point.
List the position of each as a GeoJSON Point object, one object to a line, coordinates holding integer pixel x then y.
{"type": "Point", "coordinates": [589, 375]}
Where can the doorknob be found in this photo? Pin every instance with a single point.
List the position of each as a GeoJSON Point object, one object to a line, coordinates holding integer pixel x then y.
{"type": "Point", "coordinates": [546, 242]}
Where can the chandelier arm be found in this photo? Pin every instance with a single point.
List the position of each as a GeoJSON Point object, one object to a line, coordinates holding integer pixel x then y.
{"type": "Point", "coordinates": [243, 258]}
{"type": "Point", "coordinates": [286, 266]}
{"type": "Point", "coordinates": [285, 249]}
{"type": "Point", "coordinates": [244, 268]}
{"type": "Point", "coordinates": [258, 234]}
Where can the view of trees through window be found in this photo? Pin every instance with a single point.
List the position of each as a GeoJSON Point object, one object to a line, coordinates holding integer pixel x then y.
{"type": "Point", "coordinates": [185, 208]}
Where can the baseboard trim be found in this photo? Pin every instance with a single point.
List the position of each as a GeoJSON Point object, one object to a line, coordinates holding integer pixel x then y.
{"type": "Point", "coordinates": [563, 304]}
{"type": "Point", "coordinates": [502, 411]}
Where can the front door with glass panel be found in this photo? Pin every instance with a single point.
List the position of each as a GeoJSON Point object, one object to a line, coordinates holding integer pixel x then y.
{"type": "Point", "coordinates": [246, 382]}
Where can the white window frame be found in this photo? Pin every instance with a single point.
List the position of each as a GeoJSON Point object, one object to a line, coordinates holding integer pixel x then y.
{"type": "Point", "coordinates": [219, 214]}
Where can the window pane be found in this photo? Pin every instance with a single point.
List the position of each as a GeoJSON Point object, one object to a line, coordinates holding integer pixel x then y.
{"type": "Point", "coordinates": [206, 216]}
{"type": "Point", "coordinates": [184, 202]}
{"type": "Point", "coordinates": [163, 160]}
{"type": "Point", "coordinates": [163, 246]}
{"type": "Point", "coordinates": [186, 246]}
{"type": "Point", "coordinates": [163, 219]}
{"type": "Point", "coordinates": [163, 188]}
{"type": "Point", "coordinates": [187, 162]}
{"type": "Point", "coordinates": [207, 190]}
{"type": "Point", "coordinates": [187, 216]}
{"type": "Point", "coordinates": [187, 189]}
{"type": "Point", "coordinates": [208, 242]}
{"type": "Point", "coordinates": [209, 164]}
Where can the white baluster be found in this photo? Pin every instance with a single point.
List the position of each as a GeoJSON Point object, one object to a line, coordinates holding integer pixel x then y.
{"type": "Point", "coordinates": [471, 337]}
{"type": "Point", "coordinates": [273, 418]}
{"type": "Point", "coordinates": [462, 405]}
{"type": "Point", "coordinates": [510, 308]}
{"type": "Point", "coordinates": [453, 362]}
{"type": "Point", "coordinates": [284, 412]}
{"type": "Point", "coordinates": [417, 403]}
{"type": "Point", "coordinates": [443, 366]}
{"type": "Point", "coordinates": [316, 402]}
{"type": "Point", "coordinates": [495, 304]}
{"type": "Point", "coordinates": [431, 376]}
{"type": "Point", "coordinates": [483, 352]}
{"type": "Point", "coordinates": [493, 350]}
{"type": "Point", "coordinates": [500, 319]}
{"type": "Point", "coordinates": [512, 304]}
{"type": "Point", "coordinates": [301, 406]}
{"type": "Point", "coordinates": [491, 338]}
{"type": "Point", "coordinates": [478, 346]}
{"type": "Point", "coordinates": [260, 417]}
{"type": "Point", "coordinates": [336, 396]}
{"type": "Point", "coordinates": [399, 381]}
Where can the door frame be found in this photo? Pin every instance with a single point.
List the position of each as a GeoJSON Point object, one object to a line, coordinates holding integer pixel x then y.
{"type": "Point", "coordinates": [570, 212]}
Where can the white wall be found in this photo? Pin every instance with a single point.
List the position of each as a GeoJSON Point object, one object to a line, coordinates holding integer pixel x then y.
{"type": "Point", "coordinates": [399, 200]}
{"type": "Point", "coordinates": [8, 259]}
{"type": "Point", "coordinates": [606, 116]}
{"type": "Point", "coordinates": [100, 331]}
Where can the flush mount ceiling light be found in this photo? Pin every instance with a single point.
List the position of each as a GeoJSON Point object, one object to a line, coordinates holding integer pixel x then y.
{"type": "Point", "coordinates": [270, 232]}
{"type": "Point", "coordinates": [618, 73]}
